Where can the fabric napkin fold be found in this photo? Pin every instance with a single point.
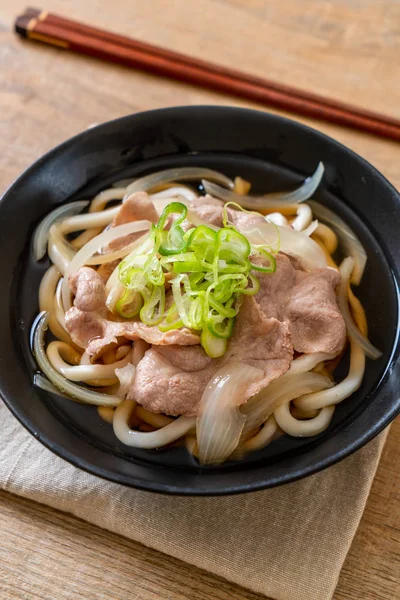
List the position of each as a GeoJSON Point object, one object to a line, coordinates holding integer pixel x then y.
{"type": "Point", "coordinates": [288, 543]}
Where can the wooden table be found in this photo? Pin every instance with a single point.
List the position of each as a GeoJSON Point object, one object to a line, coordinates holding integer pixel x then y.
{"type": "Point", "coordinates": [345, 49]}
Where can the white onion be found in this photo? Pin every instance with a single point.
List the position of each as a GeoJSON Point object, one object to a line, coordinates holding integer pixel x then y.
{"type": "Point", "coordinates": [294, 243]}
{"type": "Point", "coordinates": [259, 441]}
{"type": "Point", "coordinates": [282, 390]}
{"type": "Point", "coordinates": [152, 439]}
{"type": "Point", "coordinates": [304, 192]}
{"type": "Point", "coordinates": [348, 239]}
{"type": "Point", "coordinates": [313, 226]}
{"type": "Point", "coordinates": [125, 376]}
{"type": "Point", "coordinates": [94, 246]}
{"type": "Point", "coordinates": [355, 334]}
{"type": "Point", "coordinates": [75, 392]}
{"type": "Point", "coordinates": [220, 423]}
{"type": "Point", "coordinates": [41, 235]}
{"type": "Point", "coordinates": [303, 428]}
{"type": "Point", "coordinates": [161, 203]}
{"type": "Point", "coordinates": [146, 183]}
{"type": "Point", "coordinates": [44, 384]}
{"type": "Point", "coordinates": [47, 302]}
{"type": "Point", "coordinates": [172, 192]}
{"type": "Point", "coordinates": [342, 390]}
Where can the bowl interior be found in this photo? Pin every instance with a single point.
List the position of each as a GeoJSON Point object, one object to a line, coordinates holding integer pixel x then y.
{"type": "Point", "coordinates": [79, 434]}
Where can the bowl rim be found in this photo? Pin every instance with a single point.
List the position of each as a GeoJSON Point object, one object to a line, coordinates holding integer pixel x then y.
{"type": "Point", "coordinates": [132, 481]}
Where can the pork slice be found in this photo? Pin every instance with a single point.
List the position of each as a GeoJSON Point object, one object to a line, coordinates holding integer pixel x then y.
{"type": "Point", "coordinates": [95, 333]}
{"type": "Point", "coordinates": [244, 220]}
{"type": "Point", "coordinates": [209, 209]}
{"type": "Point", "coordinates": [276, 288]}
{"type": "Point", "coordinates": [257, 341]}
{"type": "Point", "coordinates": [136, 207]}
{"type": "Point", "coordinates": [88, 289]}
{"type": "Point", "coordinates": [316, 321]}
{"type": "Point", "coordinates": [164, 385]}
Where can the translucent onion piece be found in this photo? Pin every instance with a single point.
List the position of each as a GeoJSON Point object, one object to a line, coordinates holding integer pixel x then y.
{"type": "Point", "coordinates": [114, 295]}
{"type": "Point", "coordinates": [355, 334]}
{"type": "Point", "coordinates": [179, 190]}
{"type": "Point", "coordinates": [283, 390]}
{"type": "Point", "coordinates": [82, 372]}
{"type": "Point", "coordinates": [44, 384]}
{"type": "Point", "coordinates": [347, 238]}
{"type": "Point", "coordinates": [94, 246]}
{"type": "Point", "coordinates": [304, 192]}
{"type": "Point", "coordinates": [313, 226]}
{"type": "Point", "coordinates": [342, 390]}
{"type": "Point", "coordinates": [125, 375]}
{"type": "Point", "coordinates": [75, 392]}
{"type": "Point", "coordinates": [161, 203]}
{"type": "Point", "coordinates": [41, 235]}
{"type": "Point", "coordinates": [294, 243]}
{"type": "Point", "coordinates": [259, 441]}
{"type": "Point", "coordinates": [146, 183]}
{"type": "Point", "coordinates": [306, 428]}
{"type": "Point", "coordinates": [47, 291]}
{"type": "Point", "coordinates": [220, 423]}
{"type": "Point", "coordinates": [149, 440]}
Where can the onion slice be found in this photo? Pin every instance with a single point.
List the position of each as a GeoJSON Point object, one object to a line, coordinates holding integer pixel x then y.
{"type": "Point", "coordinates": [146, 183]}
{"type": "Point", "coordinates": [220, 423]}
{"type": "Point", "coordinates": [94, 246]}
{"type": "Point", "coordinates": [348, 239]}
{"type": "Point", "coordinates": [41, 235]}
{"type": "Point", "coordinates": [152, 439]}
{"type": "Point", "coordinates": [355, 334]}
{"type": "Point", "coordinates": [75, 392]}
{"type": "Point", "coordinates": [275, 200]}
{"type": "Point", "coordinates": [125, 376]}
{"type": "Point", "coordinates": [294, 243]}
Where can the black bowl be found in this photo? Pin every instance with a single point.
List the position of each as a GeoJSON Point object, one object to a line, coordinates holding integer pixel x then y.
{"type": "Point", "coordinates": [272, 152]}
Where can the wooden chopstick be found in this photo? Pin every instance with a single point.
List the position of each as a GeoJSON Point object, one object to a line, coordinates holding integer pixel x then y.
{"type": "Point", "coordinates": [71, 35]}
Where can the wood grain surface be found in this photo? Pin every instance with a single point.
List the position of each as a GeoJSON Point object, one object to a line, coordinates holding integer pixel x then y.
{"type": "Point", "coordinates": [347, 49]}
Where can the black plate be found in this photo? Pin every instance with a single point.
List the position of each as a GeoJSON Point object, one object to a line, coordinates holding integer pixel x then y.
{"type": "Point", "coordinates": [272, 152]}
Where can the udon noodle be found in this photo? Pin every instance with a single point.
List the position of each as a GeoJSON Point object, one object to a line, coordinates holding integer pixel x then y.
{"type": "Point", "coordinates": [300, 402]}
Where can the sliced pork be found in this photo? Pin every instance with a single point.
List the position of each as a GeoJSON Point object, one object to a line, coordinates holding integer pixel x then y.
{"type": "Point", "coordinates": [176, 387]}
{"type": "Point", "coordinates": [93, 327]}
{"type": "Point", "coordinates": [317, 324]}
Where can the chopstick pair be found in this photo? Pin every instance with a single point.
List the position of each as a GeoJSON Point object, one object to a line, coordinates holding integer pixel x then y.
{"type": "Point", "coordinates": [52, 29]}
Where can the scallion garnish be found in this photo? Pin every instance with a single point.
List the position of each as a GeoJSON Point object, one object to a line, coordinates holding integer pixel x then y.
{"type": "Point", "coordinates": [209, 273]}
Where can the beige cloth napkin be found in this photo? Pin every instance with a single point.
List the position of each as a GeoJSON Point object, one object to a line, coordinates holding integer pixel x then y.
{"type": "Point", "coordinates": [288, 543]}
